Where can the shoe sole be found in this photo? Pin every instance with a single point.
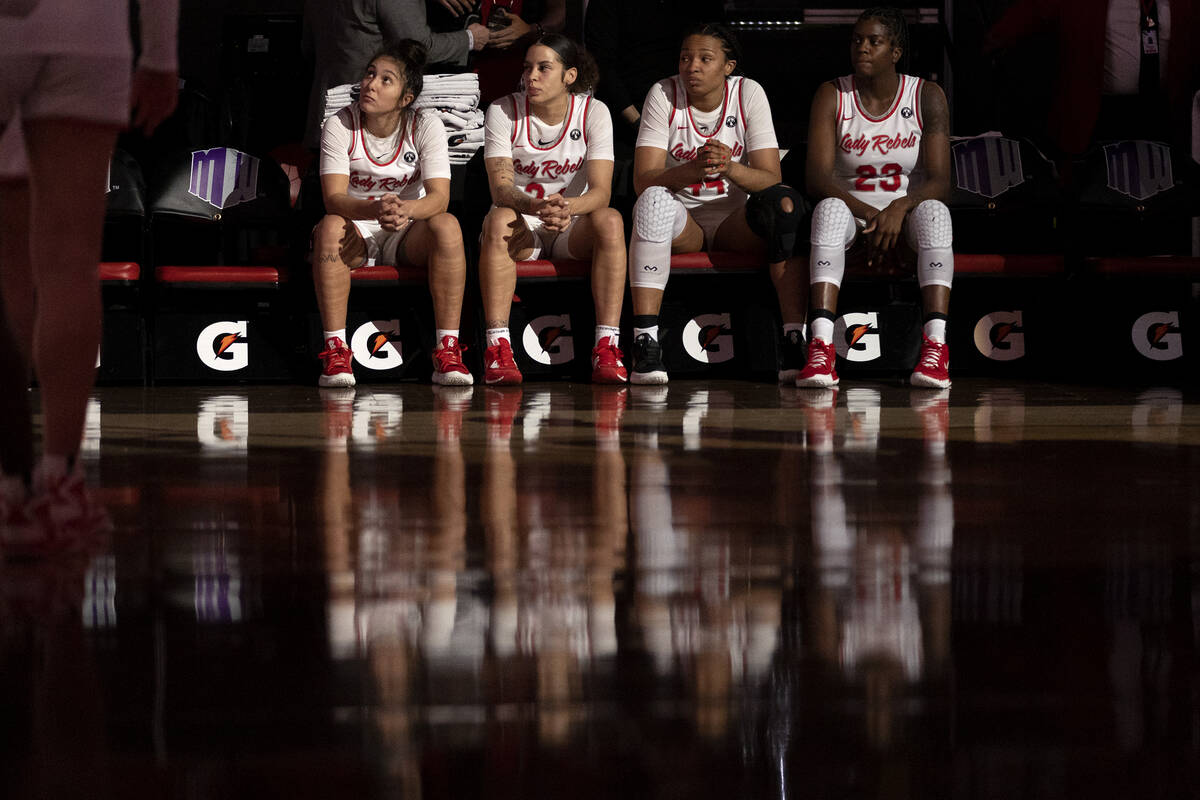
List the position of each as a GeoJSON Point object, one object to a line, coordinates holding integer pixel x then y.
{"type": "Point", "coordinates": [822, 382]}
{"type": "Point", "coordinates": [340, 381]}
{"type": "Point", "coordinates": [656, 378]}
{"type": "Point", "coordinates": [453, 378]}
{"type": "Point", "coordinates": [926, 382]}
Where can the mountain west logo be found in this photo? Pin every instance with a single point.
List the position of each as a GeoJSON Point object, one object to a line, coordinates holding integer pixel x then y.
{"type": "Point", "coordinates": [1000, 336]}
{"type": "Point", "coordinates": [548, 339]}
{"type": "Point", "coordinates": [224, 177]}
{"type": "Point", "coordinates": [376, 344]}
{"type": "Point", "coordinates": [857, 336]}
{"type": "Point", "coordinates": [222, 346]}
{"type": "Point", "coordinates": [707, 338]}
{"type": "Point", "coordinates": [1139, 169]}
{"type": "Point", "coordinates": [988, 165]}
{"type": "Point", "coordinates": [1157, 336]}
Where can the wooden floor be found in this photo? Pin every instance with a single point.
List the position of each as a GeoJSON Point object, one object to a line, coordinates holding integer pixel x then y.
{"type": "Point", "coordinates": [721, 590]}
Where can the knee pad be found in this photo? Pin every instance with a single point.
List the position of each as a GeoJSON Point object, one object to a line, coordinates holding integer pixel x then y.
{"type": "Point", "coordinates": [658, 217]}
{"type": "Point", "coordinates": [833, 230]}
{"type": "Point", "coordinates": [931, 234]}
{"type": "Point", "coordinates": [768, 220]}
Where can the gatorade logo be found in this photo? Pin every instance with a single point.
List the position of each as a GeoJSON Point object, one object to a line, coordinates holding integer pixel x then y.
{"type": "Point", "coordinates": [1000, 335]}
{"type": "Point", "coordinates": [548, 339]}
{"type": "Point", "coordinates": [1156, 336]}
{"type": "Point", "coordinates": [857, 336]}
{"type": "Point", "coordinates": [708, 338]}
{"type": "Point", "coordinates": [376, 344]}
{"type": "Point", "coordinates": [223, 423]}
{"type": "Point", "coordinates": [376, 418]}
{"type": "Point", "coordinates": [222, 346]}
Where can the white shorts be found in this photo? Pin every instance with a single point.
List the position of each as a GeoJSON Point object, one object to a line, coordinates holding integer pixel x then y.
{"type": "Point", "coordinates": [382, 246]}
{"type": "Point", "coordinates": [547, 244]}
{"type": "Point", "coordinates": [58, 87]}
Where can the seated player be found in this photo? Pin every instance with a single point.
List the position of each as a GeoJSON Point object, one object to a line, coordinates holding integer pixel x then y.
{"type": "Point", "coordinates": [549, 158]}
{"type": "Point", "coordinates": [707, 173]}
{"type": "Point", "coordinates": [385, 177]}
{"type": "Point", "coordinates": [879, 159]}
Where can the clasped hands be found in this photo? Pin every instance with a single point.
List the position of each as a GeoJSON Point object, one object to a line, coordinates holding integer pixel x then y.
{"type": "Point", "coordinates": [392, 212]}
{"type": "Point", "coordinates": [554, 211]}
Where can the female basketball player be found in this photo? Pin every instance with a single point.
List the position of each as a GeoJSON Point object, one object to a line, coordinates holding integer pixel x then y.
{"type": "Point", "coordinates": [385, 176]}
{"type": "Point", "coordinates": [549, 158]}
{"type": "Point", "coordinates": [706, 169]}
{"type": "Point", "coordinates": [65, 72]}
{"type": "Point", "coordinates": [879, 156]}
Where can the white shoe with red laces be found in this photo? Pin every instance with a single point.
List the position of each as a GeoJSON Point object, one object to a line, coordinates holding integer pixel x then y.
{"type": "Point", "coordinates": [933, 367]}
{"type": "Point", "coordinates": [820, 372]}
{"type": "Point", "coordinates": [448, 368]}
{"type": "Point", "coordinates": [336, 364]}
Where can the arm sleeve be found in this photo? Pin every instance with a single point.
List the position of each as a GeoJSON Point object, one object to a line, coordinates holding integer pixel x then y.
{"type": "Point", "coordinates": [431, 145]}
{"type": "Point", "coordinates": [405, 19]}
{"type": "Point", "coordinates": [602, 30]}
{"type": "Point", "coordinates": [599, 132]}
{"type": "Point", "coordinates": [335, 145]}
{"type": "Point", "coordinates": [654, 129]}
{"type": "Point", "coordinates": [498, 128]}
{"type": "Point", "coordinates": [158, 21]}
{"type": "Point", "coordinates": [760, 128]}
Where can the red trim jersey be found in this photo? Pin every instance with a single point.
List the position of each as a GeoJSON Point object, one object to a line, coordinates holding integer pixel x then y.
{"type": "Point", "coordinates": [549, 159]}
{"type": "Point", "coordinates": [876, 157]}
{"type": "Point", "coordinates": [398, 165]}
{"type": "Point", "coordinates": [742, 122]}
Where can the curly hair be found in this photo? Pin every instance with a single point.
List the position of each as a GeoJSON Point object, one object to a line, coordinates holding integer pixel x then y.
{"type": "Point", "coordinates": [572, 55]}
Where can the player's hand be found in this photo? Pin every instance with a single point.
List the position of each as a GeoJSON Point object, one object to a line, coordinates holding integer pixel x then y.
{"type": "Point", "coordinates": [509, 35]}
{"type": "Point", "coordinates": [716, 157]}
{"type": "Point", "coordinates": [457, 7]}
{"type": "Point", "coordinates": [152, 97]}
{"type": "Point", "coordinates": [883, 231]}
{"type": "Point", "coordinates": [555, 213]}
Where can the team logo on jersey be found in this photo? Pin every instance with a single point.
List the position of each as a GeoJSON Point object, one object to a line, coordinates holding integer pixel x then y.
{"type": "Point", "coordinates": [708, 338]}
{"type": "Point", "coordinates": [730, 122]}
{"type": "Point", "coordinates": [1000, 335]}
{"type": "Point", "coordinates": [377, 344]}
{"type": "Point", "coordinates": [224, 177]}
{"type": "Point", "coordinates": [1157, 336]}
{"type": "Point", "coordinates": [548, 339]}
{"type": "Point", "coordinates": [576, 135]}
{"type": "Point", "coordinates": [988, 165]}
{"type": "Point", "coordinates": [1139, 169]}
{"type": "Point", "coordinates": [222, 346]}
{"type": "Point", "coordinates": [410, 157]}
{"type": "Point", "coordinates": [856, 336]}
{"type": "Point", "coordinates": [906, 112]}
{"type": "Point", "coordinates": [223, 423]}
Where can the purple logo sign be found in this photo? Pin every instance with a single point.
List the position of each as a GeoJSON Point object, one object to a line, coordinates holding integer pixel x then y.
{"type": "Point", "coordinates": [224, 177]}
{"type": "Point", "coordinates": [988, 165]}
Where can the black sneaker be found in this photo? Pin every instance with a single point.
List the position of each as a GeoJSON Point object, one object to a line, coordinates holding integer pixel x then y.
{"type": "Point", "coordinates": [647, 361]}
{"type": "Point", "coordinates": [793, 355]}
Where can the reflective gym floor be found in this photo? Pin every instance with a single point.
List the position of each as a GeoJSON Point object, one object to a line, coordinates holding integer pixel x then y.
{"type": "Point", "coordinates": [703, 590]}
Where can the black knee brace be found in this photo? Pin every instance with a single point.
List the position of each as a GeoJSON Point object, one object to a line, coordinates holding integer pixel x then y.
{"type": "Point", "coordinates": [766, 217]}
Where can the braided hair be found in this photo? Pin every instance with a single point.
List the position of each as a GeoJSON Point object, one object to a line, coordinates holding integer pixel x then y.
{"type": "Point", "coordinates": [729, 43]}
{"type": "Point", "coordinates": [892, 19]}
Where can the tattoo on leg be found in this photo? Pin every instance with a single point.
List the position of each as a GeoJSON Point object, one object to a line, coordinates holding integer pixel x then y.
{"type": "Point", "coordinates": [330, 258]}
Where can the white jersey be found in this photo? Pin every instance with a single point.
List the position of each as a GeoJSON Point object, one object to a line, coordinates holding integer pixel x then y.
{"type": "Point", "coordinates": [548, 159]}
{"type": "Point", "coordinates": [875, 158]}
{"type": "Point", "coordinates": [742, 122]}
{"type": "Point", "coordinates": [399, 164]}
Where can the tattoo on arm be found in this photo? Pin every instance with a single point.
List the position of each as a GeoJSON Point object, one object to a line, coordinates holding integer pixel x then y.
{"type": "Point", "coordinates": [934, 109]}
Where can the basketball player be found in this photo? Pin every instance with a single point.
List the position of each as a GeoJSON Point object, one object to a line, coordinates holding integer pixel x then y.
{"type": "Point", "coordinates": [879, 159]}
{"type": "Point", "coordinates": [385, 177]}
{"type": "Point", "coordinates": [65, 69]}
{"type": "Point", "coordinates": [706, 169]}
{"type": "Point", "coordinates": [549, 157]}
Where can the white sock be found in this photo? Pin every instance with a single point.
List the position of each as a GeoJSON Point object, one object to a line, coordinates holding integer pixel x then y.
{"type": "Point", "coordinates": [822, 328]}
{"type": "Point", "coordinates": [651, 331]}
{"type": "Point", "coordinates": [340, 333]}
{"type": "Point", "coordinates": [442, 333]}
{"type": "Point", "coordinates": [935, 330]}
{"type": "Point", "coordinates": [609, 331]}
{"type": "Point", "coordinates": [494, 335]}
{"type": "Point", "coordinates": [788, 327]}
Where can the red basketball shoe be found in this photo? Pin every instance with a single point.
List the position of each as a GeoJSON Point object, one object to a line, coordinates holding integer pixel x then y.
{"type": "Point", "coordinates": [448, 368]}
{"type": "Point", "coordinates": [820, 371]}
{"type": "Point", "coordinates": [608, 365]}
{"type": "Point", "coordinates": [336, 361]}
{"type": "Point", "coordinates": [499, 368]}
{"type": "Point", "coordinates": [933, 367]}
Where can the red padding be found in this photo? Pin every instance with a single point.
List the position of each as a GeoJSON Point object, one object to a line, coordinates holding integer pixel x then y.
{"type": "Point", "coordinates": [387, 273]}
{"type": "Point", "coordinates": [1150, 265]}
{"type": "Point", "coordinates": [559, 268]}
{"type": "Point", "coordinates": [718, 261]}
{"type": "Point", "coordinates": [217, 275]}
{"type": "Point", "coordinates": [989, 264]}
{"type": "Point", "coordinates": [119, 271]}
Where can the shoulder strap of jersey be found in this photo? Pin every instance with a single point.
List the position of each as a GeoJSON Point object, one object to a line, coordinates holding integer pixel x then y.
{"type": "Point", "coordinates": [516, 118]}
{"type": "Point", "coordinates": [587, 107]}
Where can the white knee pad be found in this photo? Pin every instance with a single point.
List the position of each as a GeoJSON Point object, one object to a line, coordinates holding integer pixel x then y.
{"type": "Point", "coordinates": [833, 230]}
{"type": "Point", "coordinates": [658, 217]}
{"type": "Point", "coordinates": [931, 234]}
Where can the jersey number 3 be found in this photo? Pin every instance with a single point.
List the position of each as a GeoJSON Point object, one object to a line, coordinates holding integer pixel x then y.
{"type": "Point", "coordinates": [888, 178]}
